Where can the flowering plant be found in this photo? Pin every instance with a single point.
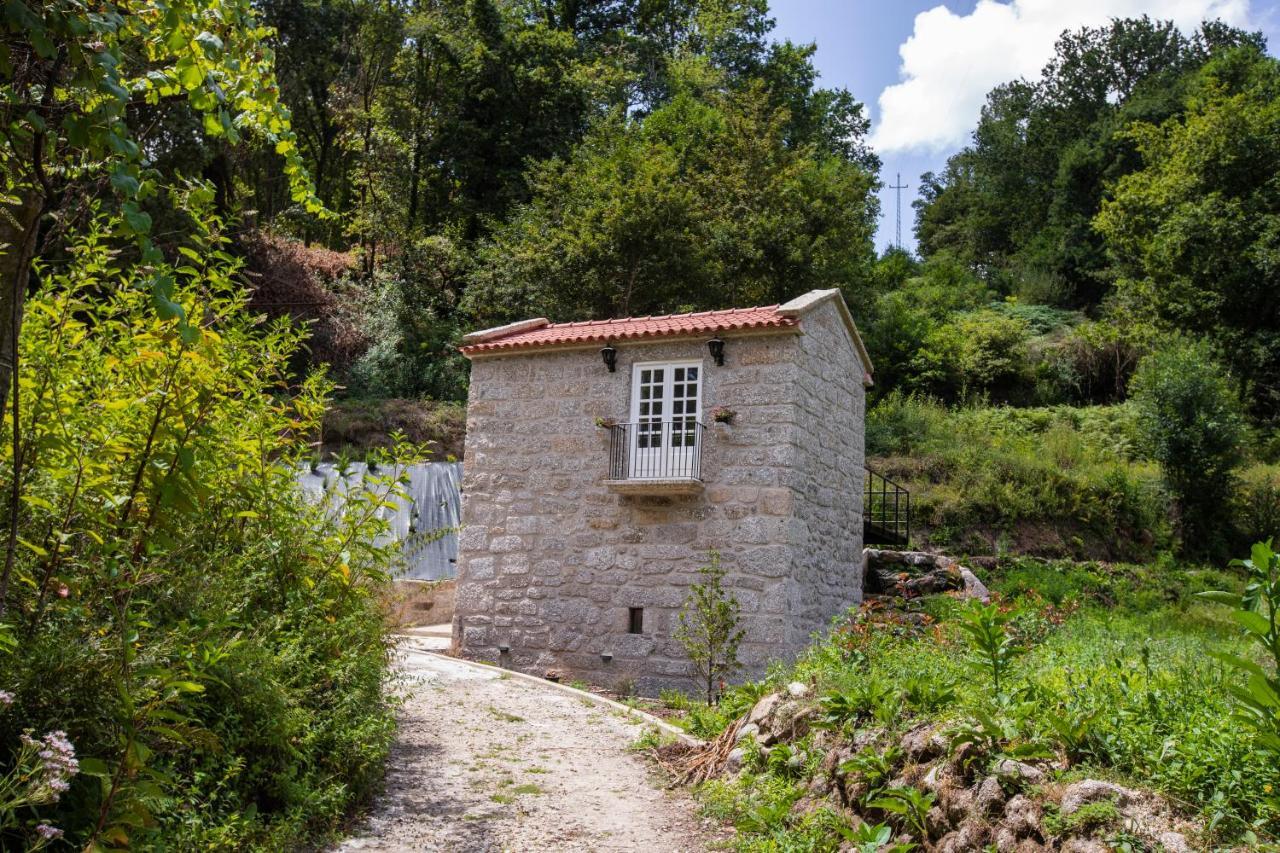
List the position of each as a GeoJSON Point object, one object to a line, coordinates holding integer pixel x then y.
{"type": "Point", "coordinates": [41, 774]}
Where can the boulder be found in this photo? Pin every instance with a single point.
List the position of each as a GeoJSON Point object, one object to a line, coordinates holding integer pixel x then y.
{"type": "Point", "coordinates": [1088, 791]}
{"type": "Point", "coordinates": [969, 837]}
{"type": "Point", "coordinates": [974, 588]}
{"type": "Point", "coordinates": [797, 690]}
{"type": "Point", "coordinates": [733, 762]}
{"type": "Point", "coordinates": [959, 803]}
{"type": "Point", "coordinates": [762, 709]}
{"type": "Point", "coordinates": [988, 796]}
{"type": "Point", "coordinates": [1018, 773]}
{"type": "Point", "coordinates": [1174, 842]}
{"type": "Point", "coordinates": [935, 820]}
{"type": "Point", "coordinates": [1022, 815]}
{"type": "Point", "coordinates": [923, 743]}
{"type": "Point", "coordinates": [1006, 840]}
{"type": "Point", "coordinates": [1083, 845]}
{"type": "Point", "coordinates": [746, 730]}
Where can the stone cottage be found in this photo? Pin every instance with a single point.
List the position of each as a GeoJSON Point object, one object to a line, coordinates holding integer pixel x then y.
{"type": "Point", "coordinates": [606, 459]}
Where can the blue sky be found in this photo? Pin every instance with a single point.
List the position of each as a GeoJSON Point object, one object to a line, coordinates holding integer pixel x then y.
{"type": "Point", "coordinates": [922, 66]}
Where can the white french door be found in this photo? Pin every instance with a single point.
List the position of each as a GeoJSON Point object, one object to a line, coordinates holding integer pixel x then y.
{"type": "Point", "coordinates": [666, 401]}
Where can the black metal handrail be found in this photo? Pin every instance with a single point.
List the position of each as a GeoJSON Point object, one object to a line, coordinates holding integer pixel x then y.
{"type": "Point", "coordinates": [656, 450]}
{"type": "Point", "coordinates": [886, 512]}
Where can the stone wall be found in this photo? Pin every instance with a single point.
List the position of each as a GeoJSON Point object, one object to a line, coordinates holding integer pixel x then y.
{"type": "Point", "coordinates": [830, 398]}
{"type": "Point", "coordinates": [550, 561]}
{"type": "Point", "coordinates": [417, 602]}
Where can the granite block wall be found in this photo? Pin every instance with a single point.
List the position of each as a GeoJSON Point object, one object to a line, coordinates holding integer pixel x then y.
{"type": "Point", "coordinates": [550, 561]}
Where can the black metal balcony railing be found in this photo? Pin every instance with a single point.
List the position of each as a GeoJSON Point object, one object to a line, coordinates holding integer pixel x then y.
{"type": "Point", "coordinates": [656, 450]}
{"type": "Point", "coordinates": [886, 512]}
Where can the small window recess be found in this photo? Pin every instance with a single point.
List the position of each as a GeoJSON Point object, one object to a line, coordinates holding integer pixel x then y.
{"type": "Point", "coordinates": [635, 620]}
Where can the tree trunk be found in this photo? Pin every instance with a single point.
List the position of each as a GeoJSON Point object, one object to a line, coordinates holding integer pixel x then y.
{"type": "Point", "coordinates": [19, 225]}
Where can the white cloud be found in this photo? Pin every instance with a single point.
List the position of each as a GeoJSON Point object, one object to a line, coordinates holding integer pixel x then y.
{"type": "Point", "coordinates": [951, 61]}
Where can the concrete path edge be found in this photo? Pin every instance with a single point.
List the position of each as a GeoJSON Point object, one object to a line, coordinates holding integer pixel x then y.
{"type": "Point", "coordinates": [585, 695]}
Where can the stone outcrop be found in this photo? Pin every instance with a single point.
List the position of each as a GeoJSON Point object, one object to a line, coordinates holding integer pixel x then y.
{"type": "Point", "coordinates": [912, 574]}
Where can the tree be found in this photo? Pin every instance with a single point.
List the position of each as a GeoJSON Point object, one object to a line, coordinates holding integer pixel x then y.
{"type": "Point", "coordinates": [1018, 203]}
{"type": "Point", "coordinates": [708, 628]}
{"type": "Point", "coordinates": [79, 88]}
{"type": "Point", "coordinates": [1191, 423]}
{"type": "Point", "coordinates": [1195, 233]}
{"type": "Point", "coordinates": [700, 204]}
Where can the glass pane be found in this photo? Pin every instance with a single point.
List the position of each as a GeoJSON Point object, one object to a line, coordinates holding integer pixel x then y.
{"type": "Point", "coordinates": [657, 375]}
{"type": "Point", "coordinates": [693, 373]}
{"type": "Point", "coordinates": [644, 375]}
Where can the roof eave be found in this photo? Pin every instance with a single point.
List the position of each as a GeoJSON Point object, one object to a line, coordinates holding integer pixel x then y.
{"type": "Point", "coordinates": [805, 303]}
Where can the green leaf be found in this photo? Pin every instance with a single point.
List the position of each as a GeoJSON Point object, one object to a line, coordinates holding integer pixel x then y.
{"type": "Point", "coordinates": [125, 183]}
{"type": "Point", "coordinates": [95, 767]}
{"type": "Point", "coordinates": [139, 221]}
{"type": "Point", "coordinates": [1228, 598]}
{"type": "Point", "coordinates": [1254, 623]}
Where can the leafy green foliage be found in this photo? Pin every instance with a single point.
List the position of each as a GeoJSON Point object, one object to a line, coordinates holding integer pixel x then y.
{"type": "Point", "coordinates": [993, 648]}
{"type": "Point", "coordinates": [909, 804]}
{"type": "Point", "coordinates": [708, 628]}
{"type": "Point", "coordinates": [1191, 232]}
{"type": "Point", "coordinates": [1051, 480]}
{"type": "Point", "coordinates": [702, 203]}
{"type": "Point", "coordinates": [1190, 421]}
{"type": "Point", "coordinates": [1018, 203]}
{"type": "Point", "coordinates": [1256, 610]}
{"type": "Point", "coordinates": [219, 648]}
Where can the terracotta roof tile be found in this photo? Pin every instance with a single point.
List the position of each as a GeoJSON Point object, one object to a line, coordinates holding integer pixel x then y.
{"type": "Point", "coordinates": [630, 328]}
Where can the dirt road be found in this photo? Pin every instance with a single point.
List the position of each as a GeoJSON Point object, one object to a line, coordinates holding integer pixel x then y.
{"type": "Point", "coordinates": [486, 762]}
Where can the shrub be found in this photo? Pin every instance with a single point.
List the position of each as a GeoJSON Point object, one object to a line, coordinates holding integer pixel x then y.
{"type": "Point", "coordinates": [1192, 423]}
{"type": "Point", "coordinates": [981, 352]}
{"type": "Point", "coordinates": [709, 627]}
{"type": "Point", "coordinates": [210, 642]}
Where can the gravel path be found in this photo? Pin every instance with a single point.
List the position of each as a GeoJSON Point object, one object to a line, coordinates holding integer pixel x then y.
{"type": "Point", "coordinates": [484, 762]}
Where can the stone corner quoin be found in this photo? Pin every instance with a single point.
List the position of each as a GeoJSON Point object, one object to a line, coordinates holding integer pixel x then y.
{"type": "Point", "coordinates": [552, 561]}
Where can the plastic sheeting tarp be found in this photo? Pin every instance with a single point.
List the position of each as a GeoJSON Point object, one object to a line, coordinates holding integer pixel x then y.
{"type": "Point", "coordinates": [425, 522]}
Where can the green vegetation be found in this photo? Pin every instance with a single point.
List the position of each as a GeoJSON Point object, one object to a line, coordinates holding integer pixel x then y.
{"type": "Point", "coordinates": [211, 645]}
{"type": "Point", "coordinates": [1112, 668]}
{"type": "Point", "coordinates": [710, 629]}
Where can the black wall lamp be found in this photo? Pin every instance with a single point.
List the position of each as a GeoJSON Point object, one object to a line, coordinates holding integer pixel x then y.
{"type": "Point", "coordinates": [716, 347]}
{"type": "Point", "coordinates": [610, 356]}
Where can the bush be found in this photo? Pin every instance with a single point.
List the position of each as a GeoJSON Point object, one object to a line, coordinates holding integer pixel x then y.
{"type": "Point", "coordinates": [981, 352]}
{"type": "Point", "coordinates": [1054, 481]}
{"type": "Point", "coordinates": [210, 643]}
{"type": "Point", "coordinates": [1191, 422]}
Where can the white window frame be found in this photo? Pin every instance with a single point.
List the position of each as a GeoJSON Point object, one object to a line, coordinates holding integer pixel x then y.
{"type": "Point", "coordinates": [664, 462]}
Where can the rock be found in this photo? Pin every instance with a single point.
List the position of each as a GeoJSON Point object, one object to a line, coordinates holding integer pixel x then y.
{"type": "Point", "coordinates": [733, 762]}
{"type": "Point", "coordinates": [797, 690]}
{"type": "Point", "coordinates": [820, 785]}
{"type": "Point", "coordinates": [745, 731]}
{"type": "Point", "coordinates": [1006, 840]}
{"type": "Point", "coordinates": [1083, 845]}
{"type": "Point", "coordinates": [800, 723]}
{"type": "Point", "coordinates": [1022, 815]}
{"type": "Point", "coordinates": [1018, 772]}
{"type": "Point", "coordinates": [1174, 842]}
{"type": "Point", "coordinates": [959, 804]}
{"type": "Point", "coordinates": [935, 820]}
{"type": "Point", "coordinates": [989, 796]}
{"type": "Point", "coordinates": [967, 838]}
{"type": "Point", "coordinates": [932, 779]}
{"type": "Point", "coordinates": [864, 738]}
{"type": "Point", "coordinates": [923, 743]}
{"type": "Point", "coordinates": [762, 709]}
{"type": "Point", "coordinates": [1087, 791]}
{"type": "Point", "coordinates": [974, 588]}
